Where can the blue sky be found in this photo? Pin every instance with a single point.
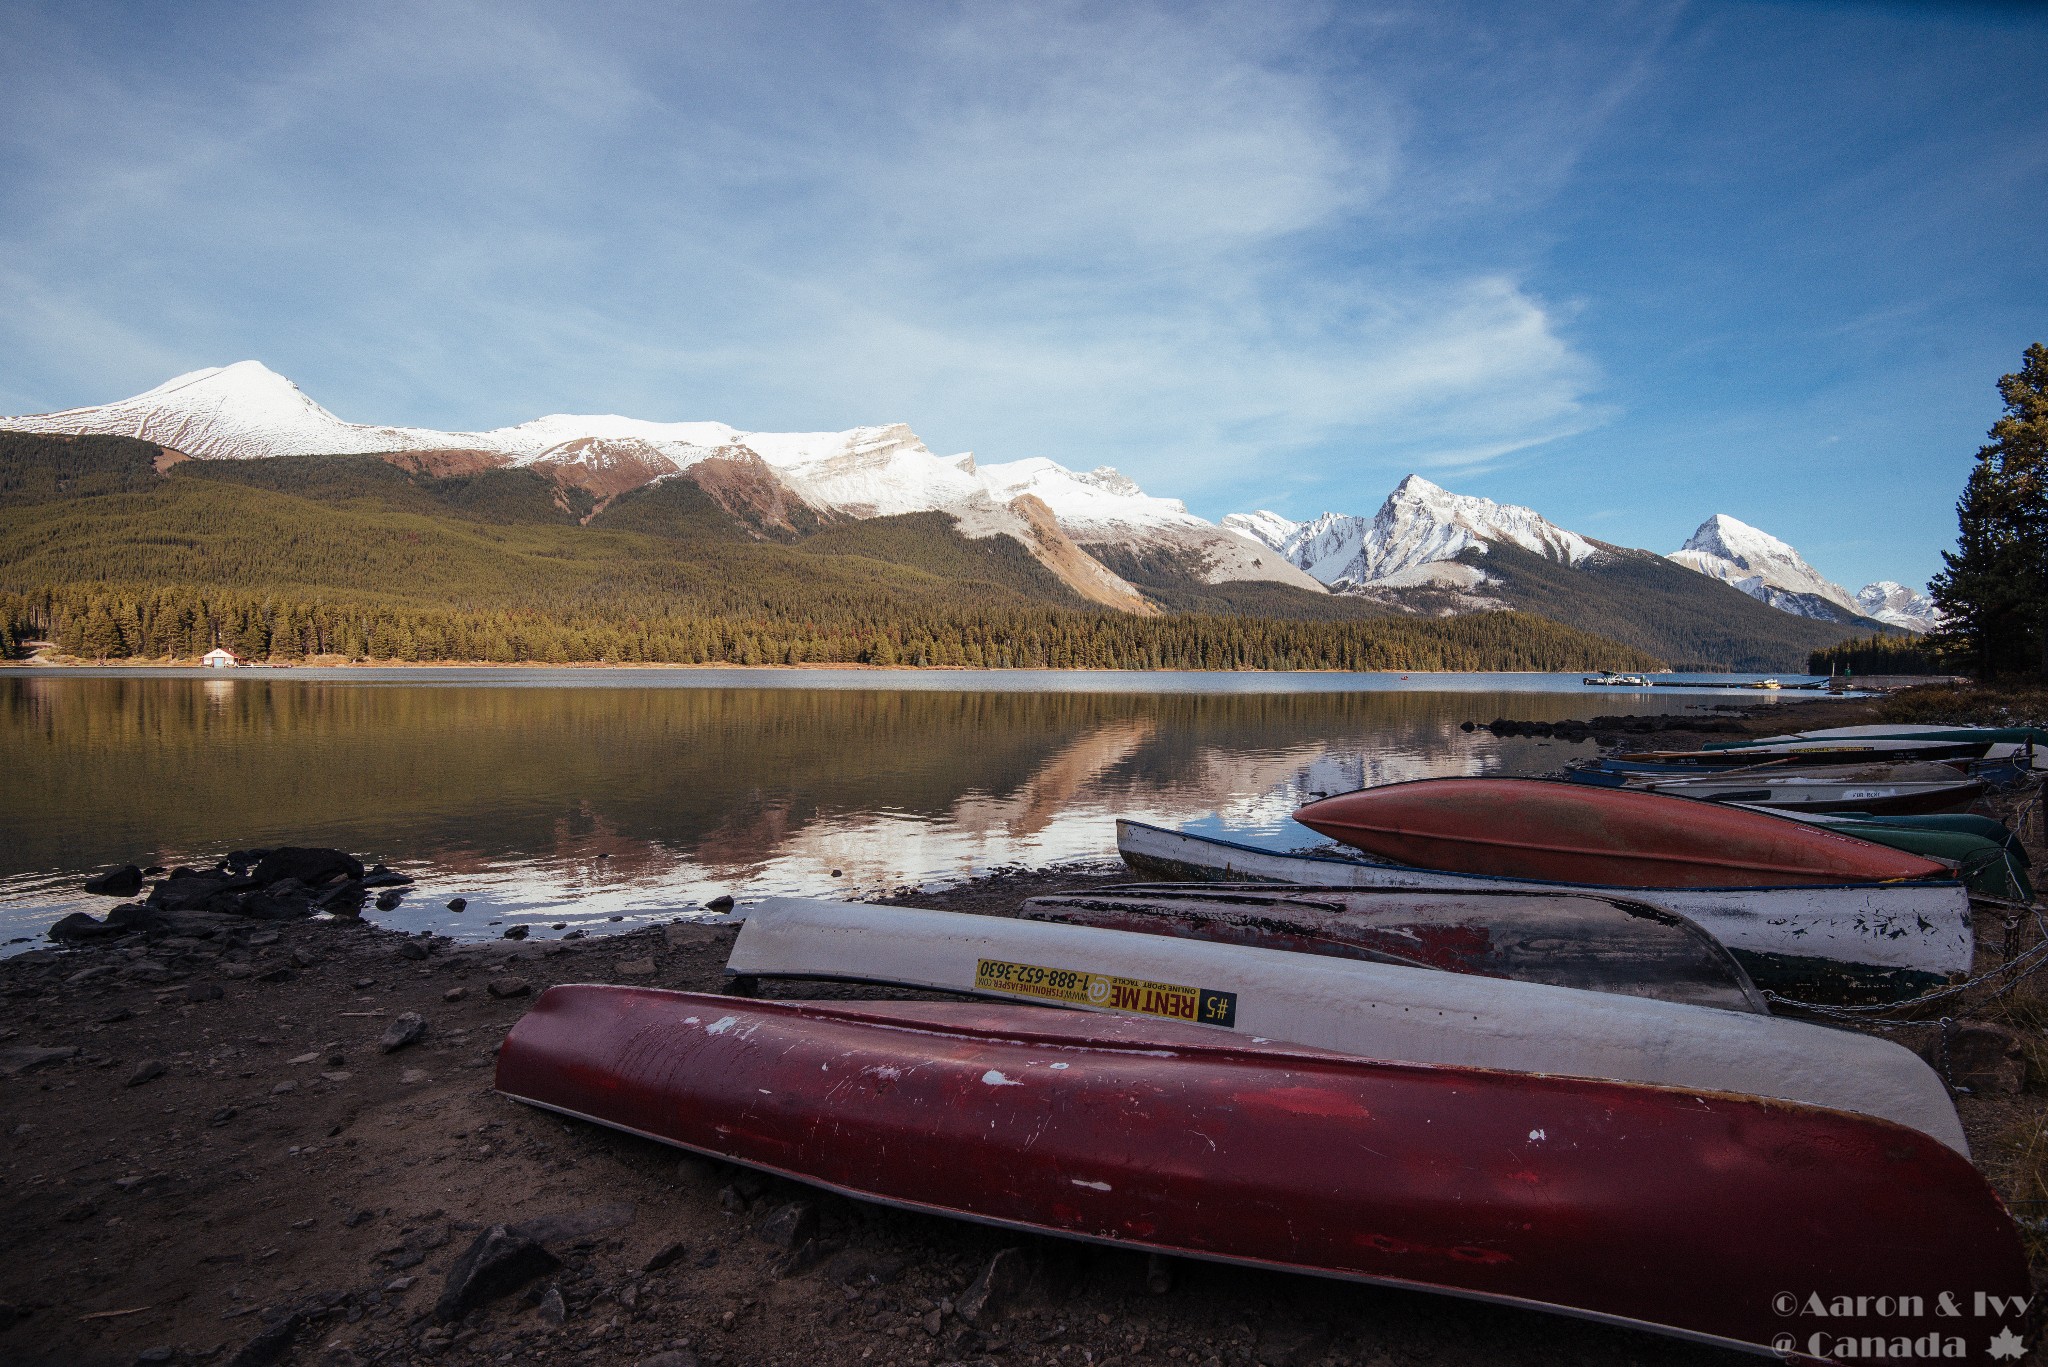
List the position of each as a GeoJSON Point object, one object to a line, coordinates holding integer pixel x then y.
{"type": "Point", "coordinates": [1630, 264]}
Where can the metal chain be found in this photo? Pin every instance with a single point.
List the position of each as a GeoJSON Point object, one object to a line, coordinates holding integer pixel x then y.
{"type": "Point", "coordinates": [2019, 969]}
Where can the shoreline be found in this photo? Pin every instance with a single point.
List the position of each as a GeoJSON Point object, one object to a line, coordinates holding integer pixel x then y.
{"type": "Point", "coordinates": [215, 1161]}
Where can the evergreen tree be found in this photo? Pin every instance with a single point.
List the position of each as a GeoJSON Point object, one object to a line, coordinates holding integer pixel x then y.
{"type": "Point", "coordinates": [1994, 591]}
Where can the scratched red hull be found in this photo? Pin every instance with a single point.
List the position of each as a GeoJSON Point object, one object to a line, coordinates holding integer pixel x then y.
{"type": "Point", "coordinates": [1681, 1212]}
{"type": "Point", "coordinates": [1574, 833]}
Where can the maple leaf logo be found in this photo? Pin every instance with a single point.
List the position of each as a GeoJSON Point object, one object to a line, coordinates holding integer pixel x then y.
{"type": "Point", "coordinates": [2007, 1344]}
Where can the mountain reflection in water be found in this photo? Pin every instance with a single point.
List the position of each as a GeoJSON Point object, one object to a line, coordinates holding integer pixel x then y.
{"type": "Point", "coordinates": [577, 804]}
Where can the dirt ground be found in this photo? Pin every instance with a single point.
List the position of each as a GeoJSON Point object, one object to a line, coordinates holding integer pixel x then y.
{"type": "Point", "coordinates": [227, 1168]}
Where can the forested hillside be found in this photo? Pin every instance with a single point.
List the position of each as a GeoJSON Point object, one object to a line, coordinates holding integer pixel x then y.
{"type": "Point", "coordinates": [1646, 601]}
{"type": "Point", "coordinates": [352, 557]}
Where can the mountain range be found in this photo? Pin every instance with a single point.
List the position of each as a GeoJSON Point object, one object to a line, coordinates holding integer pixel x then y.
{"type": "Point", "coordinates": [1733, 596]}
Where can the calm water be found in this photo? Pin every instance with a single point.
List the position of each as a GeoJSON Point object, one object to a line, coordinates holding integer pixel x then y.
{"type": "Point", "coordinates": [581, 796]}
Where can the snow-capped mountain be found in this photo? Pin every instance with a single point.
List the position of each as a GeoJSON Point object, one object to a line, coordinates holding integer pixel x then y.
{"type": "Point", "coordinates": [1896, 605]}
{"type": "Point", "coordinates": [247, 411]}
{"type": "Point", "coordinates": [1412, 540]}
{"type": "Point", "coordinates": [1766, 569]}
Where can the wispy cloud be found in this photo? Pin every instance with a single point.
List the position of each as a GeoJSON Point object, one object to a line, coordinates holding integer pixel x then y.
{"type": "Point", "coordinates": [1199, 243]}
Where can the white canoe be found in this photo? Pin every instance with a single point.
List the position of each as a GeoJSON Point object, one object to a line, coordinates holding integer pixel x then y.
{"type": "Point", "coordinates": [1378, 1011]}
{"type": "Point", "coordinates": [1840, 941]}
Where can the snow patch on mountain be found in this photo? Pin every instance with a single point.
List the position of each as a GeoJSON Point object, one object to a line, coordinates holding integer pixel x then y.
{"type": "Point", "coordinates": [1766, 569]}
{"type": "Point", "coordinates": [1420, 524]}
{"type": "Point", "coordinates": [1896, 605]}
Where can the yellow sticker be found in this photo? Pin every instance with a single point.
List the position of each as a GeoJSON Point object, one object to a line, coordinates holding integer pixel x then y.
{"type": "Point", "coordinates": [1171, 1001]}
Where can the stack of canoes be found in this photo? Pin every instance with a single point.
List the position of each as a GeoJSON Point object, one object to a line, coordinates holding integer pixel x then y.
{"type": "Point", "coordinates": [1513, 1050]}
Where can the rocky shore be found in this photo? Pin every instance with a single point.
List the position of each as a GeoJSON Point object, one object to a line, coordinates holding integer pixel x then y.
{"type": "Point", "coordinates": [242, 1134]}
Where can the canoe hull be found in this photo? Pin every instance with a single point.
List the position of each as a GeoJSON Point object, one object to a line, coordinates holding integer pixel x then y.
{"type": "Point", "coordinates": [1368, 1010]}
{"type": "Point", "coordinates": [1566, 940]}
{"type": "Point", "coordinates": [1571, 833]}
{"type": "Point", "coordinates": [1853, 942]}
{"type": "Point", "coordinates": [1542, 1192]}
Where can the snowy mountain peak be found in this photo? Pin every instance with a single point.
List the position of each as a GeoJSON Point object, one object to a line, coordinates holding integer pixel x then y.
{"type": "Point", "coordinates": [1765, 568]}
{"type": "Point", "coordinates": [1083, 501]}
{"type": "Point", "coordinates": [1733, 539]}
{"type": "Point", "coordinates": [1896, 605]}
{"type": "Point", "coordinates": [1420, 524]}
{"type": "Point", "coordinates": [1267, 528]}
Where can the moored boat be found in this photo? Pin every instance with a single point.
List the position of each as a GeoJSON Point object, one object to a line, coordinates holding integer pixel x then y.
{"type": "Point", "coordinates": [1372, 1010]}
{"type": "Point", "coordinates": [1879, 789]}
{"type": "Point", "coordinates": [1686, 1212]}
{"type": "Point", "coordinates": [1812, 942]}
{"type": "Point", "coordinates": [1599, 944]}
{"type": "Point", "coordinates": [1571, 833]}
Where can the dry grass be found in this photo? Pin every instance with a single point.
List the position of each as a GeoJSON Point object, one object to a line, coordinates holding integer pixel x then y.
{"type": "Point", "coordinates": [1968, 705]}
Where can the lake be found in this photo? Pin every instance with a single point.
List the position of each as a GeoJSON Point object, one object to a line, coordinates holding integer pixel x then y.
{"type": "Point", "coordinates": [596, 799]}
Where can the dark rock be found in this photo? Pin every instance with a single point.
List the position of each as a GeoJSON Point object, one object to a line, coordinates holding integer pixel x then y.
{"type": "Point", "coordinates": [508, 987]}
{"type": "Point", "coordinates": [674, 1357]}
{"type": "Point", "coordinates": [498, 1263]}
{"type": "Point", "coordinates": [412, 949]}
{"type": "Point", "coordinates": [278, 973]}
{"type": "Point", "coordinates": [1469, 726]}
{"type": "Point", "coordinates": [125, 881]}
{"type": "Point", "coordinates": [149, 1070]}
{"type": "Point", "coordinates": [1005, 1275]}
{"type": "Point", "coordinates": [790, 1225]}
{"type": "Point", "coordinates": [515, 932]}
{"type": "Point", "coordinates": [204, 992]}
{"type": "Point", "coordinates": [722, 902]}
{"type": "Point", "coordinates": [137, 916]}
{"type": "Point", "coordinates": [117, 1015]}
{"type": "Point", "coordinates": [552, 1310]}
{"type": "Point", "coordinates": [457, 903]}
{"type": "Point", "coordinates": [310, 866]}
{"type": "Point", "coordinates": [272, 1344]}
{"type": "Point", "coordinates": [84, 1208]}
{"type": "Point", "coordinates": [407, 1029]}
{"type": "Point", "coordinates": [222, 1116]}
{"type": "Point", "coordinates": [159, 1353]}
{"type": "Point", "coordinates": [382, 877]}
{"type": "Point", "coordinates": [1985, 1058]}
{"type": "Point", "coordinates": [185, 890]}
{"type": "Point", "coordinates": [666, 1257]}
{"type": "Point", "coordinates": [79, 928]}
{"type": "Point", "coordinates": [357, 1218]}
{"type": "Point", "coordinates": [570, 1226]}
{"type": "Point", "coordinates": [24, 1058]}
{"type": "Point", "coordinates": [285, 900]}
{"type": "Point", "coordinates": [387, 901]}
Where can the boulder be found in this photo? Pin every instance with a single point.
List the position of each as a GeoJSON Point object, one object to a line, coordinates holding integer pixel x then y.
{"type": "Point", "coordinates": [79, 928]}
{"type": "Point", "coordinates": [497, 1264]}
{"type": "Point", "coordinates": [125, 881]}
{"type": "Point", "coordinates": [407, 1029]}
{"type": "Point", "coordinates": [310, 866]}
{"type": "Point", "coordinates": [1985, 1058]}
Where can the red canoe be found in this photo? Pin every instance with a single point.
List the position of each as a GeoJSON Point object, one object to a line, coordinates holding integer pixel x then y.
{"type": "Point", "coordinates": [1574, 833]}
{"type": "Point", "coordinates": [1685, 1212]}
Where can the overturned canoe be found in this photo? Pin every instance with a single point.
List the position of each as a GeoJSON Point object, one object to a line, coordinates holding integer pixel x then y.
{"type": "Point", "coordinates": [1814, 942]}
{"type": "Point", "coordinates": [1372, 1010]}
{"type": "Point", "coordinates": [1570, 833]}
{"type": "Point", "coordinates": [1879, 789]}
{"type": "Point", "coordinates": [1598, 944]}
{"type": "Point", "coordinates": [1690, 1213]}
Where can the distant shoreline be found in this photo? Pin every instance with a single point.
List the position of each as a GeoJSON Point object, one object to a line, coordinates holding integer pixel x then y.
{"type": "Point", "coordinates": [824, 667]}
